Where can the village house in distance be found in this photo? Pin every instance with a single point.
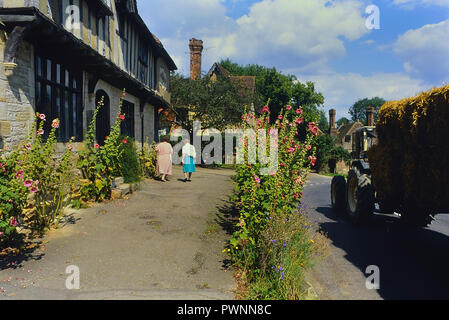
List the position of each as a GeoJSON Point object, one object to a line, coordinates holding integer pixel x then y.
{"type": "Point", "coordinates": [61, 57]}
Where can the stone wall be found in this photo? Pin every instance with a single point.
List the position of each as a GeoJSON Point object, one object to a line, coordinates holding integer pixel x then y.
{"type": "Point", "coordinates": [17, 95]}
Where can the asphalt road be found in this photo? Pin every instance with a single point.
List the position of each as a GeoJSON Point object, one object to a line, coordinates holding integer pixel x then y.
{"type": "Point", "coordinates": [413, 262]}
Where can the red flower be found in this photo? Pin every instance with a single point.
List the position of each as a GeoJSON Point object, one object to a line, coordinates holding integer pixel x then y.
{"type": "Point", "coordinates": [312, 160]}
{"type": "Point", "coordinates": [280, 117]}
{"type": "Point", "coordinates": [299, 111]}
{"type": "Point", "coordinates": [289, 107]}
{"type": "Point", "coordinates": [265, 110]}
{"type": "Point", "coordinates": [299, 120]}
{"type": "Point", "coordinates": [97, 146]}
{"type": "Point", "coordinates": [13, 222]}
{"type": "Point", "coordinates": [122, 117]}
{"type": "Point", "coordinates": [125, 141]}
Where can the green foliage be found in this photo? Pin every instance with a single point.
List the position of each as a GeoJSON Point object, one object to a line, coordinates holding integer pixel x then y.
{"type": "Point", "coordinates": [327, 150]}
{"type": "Point", "coordinates": [129, 162]}
{"type": "Point", "coordinates": [280, 90]}
{"type": "Point", "coordinates": [343, 121]}
{"type": "Point", "coordinates": [100, 164]}
{"type": "Point", "coordinates": [358, 110]}
{"type": "Point", "coordinates": [46, 175]}
{"type": "Point", "coordinates": [323, 122]}
{"type": "Point", "coordinates": [217, 103]}
{"type": "Point", "coordinates": [268, 208]}
{"type": "Point", "coordinates": [148, 160]}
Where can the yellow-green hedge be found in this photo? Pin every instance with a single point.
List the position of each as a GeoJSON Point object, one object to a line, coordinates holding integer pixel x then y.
{"type": "Point", "coordinates": [410, 164]}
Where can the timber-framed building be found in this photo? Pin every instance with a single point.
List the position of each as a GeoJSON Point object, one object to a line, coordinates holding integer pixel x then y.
{"type": "Point", "coordinates": [60, 57]}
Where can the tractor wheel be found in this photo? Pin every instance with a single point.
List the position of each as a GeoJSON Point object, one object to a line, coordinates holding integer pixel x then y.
{"type": "Point", "coordinates": [360, 197]}
{"type": "Point", "coordinates": [338, 194]}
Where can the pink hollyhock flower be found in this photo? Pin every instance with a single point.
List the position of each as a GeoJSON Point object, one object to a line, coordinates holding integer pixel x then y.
{"type": "Point", "coordinates": [42, 117]}
{"type": "Point", "coordinates": [289, 107]}
{"type": "Point", "coordinates": [70, 147]}
{"type": "Point", "coordinates": [265, 110]}
{"type": "Point", "coordinates": [122, 117]}
{"type": "Point", "coordinates": [28, 146]}
{"type": "Point", "coordinates": [125, 141]}
{"type": "Point", "coordinates": [299, 120]}
{"type": "Point", "coordinates": [55, 124]}
{"type": "Point", "coordinates": [299, 111]}
{"type": "Point", "coordinates": [33, 190]}
{"type": "Point", "coordinates": [313, 128]}
{"type": "Point", "coordinates": [291, 150]}
{"type": "Point", "coordinates": [28, 183]}
{"type": "Point", "coordinates": [97, 146]}
{"type": "Point", "coordinates": [257, 179]}
{"type": "Point", "coordinates": [19, 174]}
{"type": "Point", "coordinates": [13, 222]}
{"type": "Point", "coordinates": [309, 147]}
{"type": "Point", "coordinates": [298, 180]}
{"type": "Point", "coordinates": [41, 132]}
{"type": "Point", "coordinates": [312, 160]}
{"type": "Point", "coordinates": [280, 117]}
{"type": "Point", "coordinates": [283, 165]}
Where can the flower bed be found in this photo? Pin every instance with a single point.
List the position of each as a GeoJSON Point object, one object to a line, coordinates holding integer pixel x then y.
{"type": "Point", "coordinates": [36, 182]}
{"type": "Point", "coordinates": [273, 244]}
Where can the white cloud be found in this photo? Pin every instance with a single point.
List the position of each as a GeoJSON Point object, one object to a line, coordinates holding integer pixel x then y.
{"type": "Point", "coordinates": [281, 32]}
{"type": "Point", "coordinates": [342, 90]}
{"type": "Point", "coordinates": [425, 52]}
{"type": "Point", "coordinates": [413, 3]}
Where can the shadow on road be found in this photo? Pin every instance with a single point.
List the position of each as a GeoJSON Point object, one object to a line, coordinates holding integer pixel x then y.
{"type": "Point", "coordinates": [413, 262]}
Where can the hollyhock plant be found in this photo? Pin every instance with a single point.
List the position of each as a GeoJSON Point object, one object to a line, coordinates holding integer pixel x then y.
{"type": "Point", "coordinates": [279, 191]}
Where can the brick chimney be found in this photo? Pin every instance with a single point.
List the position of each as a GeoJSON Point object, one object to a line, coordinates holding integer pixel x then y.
{"type": "Point", "coordinates": [332, 129]}
{"type": "Point", "coordinates": [370, 116]}
{"type": "Point", "coordinates": [196, 50]}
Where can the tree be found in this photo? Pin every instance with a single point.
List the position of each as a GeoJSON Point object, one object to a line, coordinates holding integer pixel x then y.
{"type": "Point", "coordinates": [280, 90]}
{"type": "Point", "coordinates": [323, 123]}
{"type": "Point", "coordinates": [358, 110]}
{"type": "Point", "coordinates": [343, 121]}
{"type": "Point", "coordinates": [217, 104]}
{"type": "Point", "coordinates": [327, 150]}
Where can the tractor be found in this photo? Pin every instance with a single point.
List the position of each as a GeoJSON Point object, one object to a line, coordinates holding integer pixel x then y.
{"type": "Point", "coordinates": [356, 196]}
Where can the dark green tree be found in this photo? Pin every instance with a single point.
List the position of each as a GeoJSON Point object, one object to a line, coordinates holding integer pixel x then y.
{"type": "Point", "coordinates": [343, 121]}
{"type": "Point", "coordinates": [217, 104]}
{"type": "Point", "coordinates": [358, 110]}
{"type": "Point", "coordinates": [327, 150]}
{"type": "Point", "coordinates": [280, 90]}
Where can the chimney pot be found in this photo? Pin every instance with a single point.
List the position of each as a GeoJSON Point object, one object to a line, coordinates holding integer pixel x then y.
{"type": "Point", "coordinates": [332, 128]}
{"type": "Point", "coordinates": [196, 50]}
{"type": "Point", "coordinates": [370, 116]}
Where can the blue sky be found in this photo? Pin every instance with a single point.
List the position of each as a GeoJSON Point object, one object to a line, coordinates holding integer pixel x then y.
{"type": "Point", "coordinates": [324, 41]}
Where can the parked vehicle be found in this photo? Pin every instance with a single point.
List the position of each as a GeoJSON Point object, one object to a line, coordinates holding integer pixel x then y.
{"type": "Point", "coordinates": [402, 164]}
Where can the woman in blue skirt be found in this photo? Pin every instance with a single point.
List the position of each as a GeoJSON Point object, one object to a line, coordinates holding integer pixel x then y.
{"type": "Point", "coordinates": [188, 160]}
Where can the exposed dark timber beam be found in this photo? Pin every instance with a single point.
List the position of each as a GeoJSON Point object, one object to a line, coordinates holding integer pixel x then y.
{"type": "Point", "coordinates": [5, 18]}
{"type": "Point", "coordinates": [13, 42]}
